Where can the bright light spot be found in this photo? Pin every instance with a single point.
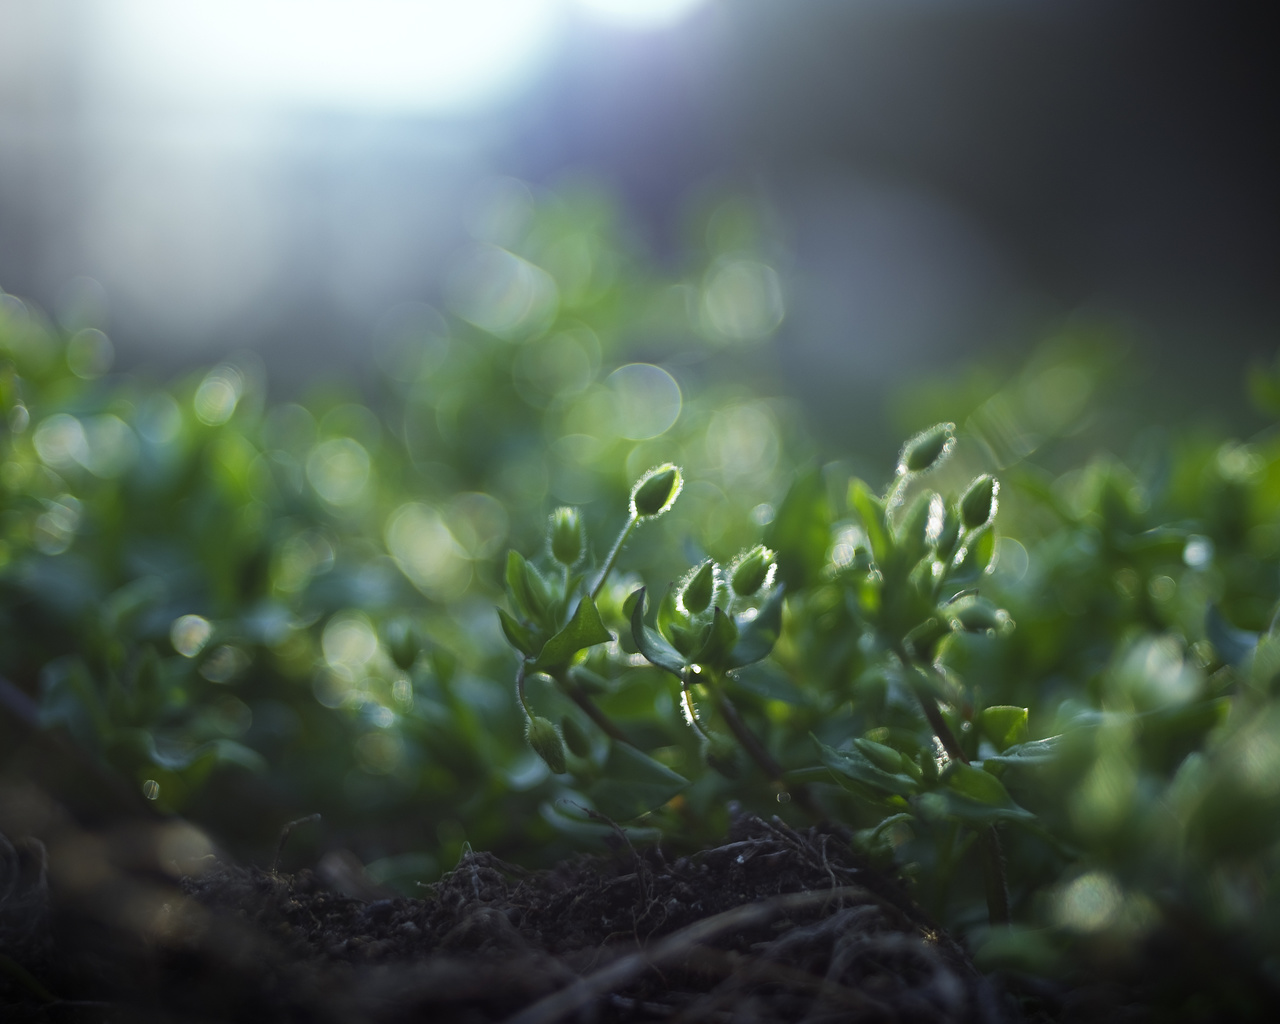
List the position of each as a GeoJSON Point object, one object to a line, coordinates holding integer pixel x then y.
{"type": "Point", "coordinates": [301, 557]}
{"type": "Point", "coordinates": [159, 419]}
{"type": "Point", "coordinates": [937, 517]}
{"type": "Point", "coordinates": [56, 528]}
{"type": "Point", "coordinates": [762, 514]}
{"type": "Point", "coordinates": [189, 634]}
{"type": "Point", "coordinates": [1199, 551]}
{"type": "Point", "coordinates": [742, 300]}
{"type": "Point", "coordinates": [339, 470]}
{"type": "Point", "coordinates": [349, 643]}
{"type": "Point", "coordinates": [1155, 673]}
{"type": "Point", "coordinates": [89, 353]}
{"type": "Point", "coordinates": [641, 14]}
{"type": "Point", "coordinates": [218, 394]}
{"type": "Point", "coordinates": [1012, 560]}
{"type": "Point", "coordinates": [648, 400]}
{"type": "Point", "coordinates": [501, 293]}
{"type": "Point", "coordinates": [1162, 588]}
{"type": "Point", "coordinates": [224, 664]}
{"type": "Point", "coordinates": [112, 446]}
{"type": "Point", "coordinates": [742, 441]}
{"type": "Point", "coordinates": [1090, 903]}
{"type": "Point", "coordinates": [426, 551]}
{"type": "Point", "coordinates": [479, 524]}
{"type": "Point", "coordinates": [60, 441]}
{"type": "Point", "coordinates": [392, 55]}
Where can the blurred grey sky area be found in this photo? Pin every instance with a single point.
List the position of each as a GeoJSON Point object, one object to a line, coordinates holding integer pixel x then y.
{"type": "Point", "coordinates": [195, 176]}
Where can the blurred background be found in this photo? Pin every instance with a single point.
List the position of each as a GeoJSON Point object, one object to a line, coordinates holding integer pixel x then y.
{"type": "Point", "coordinates": [311, 311]}
{"type": "Point", "coordinates": [929, 180]}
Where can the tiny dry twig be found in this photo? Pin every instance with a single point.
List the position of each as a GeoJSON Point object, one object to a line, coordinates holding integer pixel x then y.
{"type": "Point", "coordinates": [679, 944]}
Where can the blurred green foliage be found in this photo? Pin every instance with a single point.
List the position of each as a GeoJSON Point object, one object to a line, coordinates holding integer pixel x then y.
{"type": "Point", "coordinates": [256, 610]}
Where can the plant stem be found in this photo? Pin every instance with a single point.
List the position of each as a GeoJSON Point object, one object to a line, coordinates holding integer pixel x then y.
{"type": "Point", "coordinates": [593, 711]}
{"type": "Point", "coordinates": [520, 688]}
{"type": "Point", "coordinates": [613, 556]}
{"type": "Point", "coordinates": [997, 885]}
{"type": "Point", "coordinates": [755, 749]}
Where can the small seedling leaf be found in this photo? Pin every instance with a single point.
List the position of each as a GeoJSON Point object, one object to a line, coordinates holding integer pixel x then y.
{"type": "Point", "coordinates": [519, 637]}
{"type": "Point", "coordinates": [584, 630]}
{"type": "Point", "coordinates": [854, 770]}
{"type": "Point", "coordinates": [1004, 725]}
{"type": "Point", "coordinates": [632, 783]}
{"type": "Point", "coordinates": [651, 644]}
{"type": "Point", "coordinates": [719, 641]}
{"type": "Point", "coordinates": [760, 634]}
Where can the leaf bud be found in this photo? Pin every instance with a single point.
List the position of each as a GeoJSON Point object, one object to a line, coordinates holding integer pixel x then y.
{"type": "Point", "coordinates": [751, 570]}
{"type": "Point", "coordinates": [699, 588]}
{"type": "Point", "coordinates": [656, 491]}
{"type": "Point", "coordinates": [575, 737]}
{"type": "Point", "coordinates": [546, 743]}
{"type": "Point", "coordinates": [927, 449]}
{"type": "Point", "coordinates": [566, 536]}
{"type": "Point", "coordinates": [978, 504]}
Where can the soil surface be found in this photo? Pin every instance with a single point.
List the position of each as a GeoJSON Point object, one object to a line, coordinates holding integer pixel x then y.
{"type": "Point", "coordinates": [774, 925]}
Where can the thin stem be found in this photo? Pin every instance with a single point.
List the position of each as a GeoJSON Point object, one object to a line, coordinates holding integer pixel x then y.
{"type": "Point", "coordinates": [993, 876]}
{"type": "Point", "coordinates": [593, 711]}
{"type": "Point", "coordinates": [894, 495]}
{"type": "Point", "coordinates": [756, 750]}
{"type": "Point", "coordinates": [996, 882]}
{"type": "Point", "coordinates": [691, 712]}
{"type": "Point", "coordinates": [613, 556]}
{"type": "Point", "coordinates": [520, 688]}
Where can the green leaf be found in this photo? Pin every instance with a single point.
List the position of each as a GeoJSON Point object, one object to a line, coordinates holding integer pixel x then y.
{"type": "Point", "coordinates": [1032, 752]}
{"type": "Point", "coordinates": [519, 637]}
{"type": "Point", "coordinates": [526, 588]}
{"type": "Point", "coordinates": [801, 530]}
{"type": "Point", "coordinates": [978, 797]}
{"type": "Point", "coordinates": [632, 783]}
{"type": "Point", "coordinates": [768, 682]}
{"type": "Point", "coordinates": [719, 642]}
{"type": "Point", "coordinates": [651, 644]}
{"type": "Point", "coordinates": [584, 630]}
{"type": "Point", "coordinates": [759, 636]}
{"type": "Point", "coordinates": [855, 771]}
{"type": "Point", "coordinates": [669, 614]}
{"type": "Point", "coordinates": [1004, 725]}
{"type": "Point", "coordinates": [871, 515]}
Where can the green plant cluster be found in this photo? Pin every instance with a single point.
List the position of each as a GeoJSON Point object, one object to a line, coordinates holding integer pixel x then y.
{"type": "Point", "coordinates": [1037, 681]}
{"type": "Point", "coordinates": [256, 608]}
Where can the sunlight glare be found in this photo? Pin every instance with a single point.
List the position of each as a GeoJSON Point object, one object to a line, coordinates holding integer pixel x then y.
{"type": "Point", "coordinates": [394, 55]}
{"type": "Point", "coordinates": [641, 14]}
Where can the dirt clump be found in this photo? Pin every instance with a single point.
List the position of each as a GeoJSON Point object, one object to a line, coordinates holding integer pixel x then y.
{"type": "Point", "coordinates": [775, 925]}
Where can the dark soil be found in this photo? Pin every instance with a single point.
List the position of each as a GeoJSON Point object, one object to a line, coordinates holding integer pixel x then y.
{"type": "Point", "coordinates": [775, 925]}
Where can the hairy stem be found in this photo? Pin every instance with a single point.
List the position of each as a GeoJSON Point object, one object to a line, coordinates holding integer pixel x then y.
{"type": "Point", "coordinates": [613, 556]}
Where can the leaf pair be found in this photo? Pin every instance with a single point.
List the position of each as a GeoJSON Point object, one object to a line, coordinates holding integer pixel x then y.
{"type": "Point", "coordinates": [725, 644]}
